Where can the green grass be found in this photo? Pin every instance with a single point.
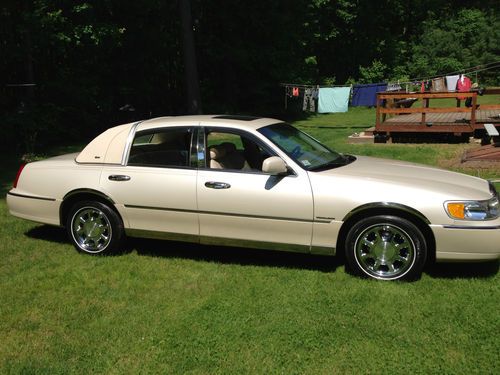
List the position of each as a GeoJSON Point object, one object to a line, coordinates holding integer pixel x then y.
{"type": "Point", "coordinates": [174, 308]}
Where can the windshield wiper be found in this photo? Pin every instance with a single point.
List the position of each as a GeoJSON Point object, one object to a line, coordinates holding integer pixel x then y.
{"type": "Point", "coordinates": [339, 162]}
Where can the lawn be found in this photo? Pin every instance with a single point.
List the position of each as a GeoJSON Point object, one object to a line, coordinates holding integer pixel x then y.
{"type": "Point", "coordinates": [174, 308]}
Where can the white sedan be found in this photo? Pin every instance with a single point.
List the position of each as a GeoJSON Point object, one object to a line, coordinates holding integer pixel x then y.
{"type": "Point", "coordinates": [260, 183]}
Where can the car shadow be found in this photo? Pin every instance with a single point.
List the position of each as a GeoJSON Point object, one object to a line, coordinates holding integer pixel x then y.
{"type": "Point", "coordinates": [254, 257]}
{"type": "Point", "coordinates": [233, 255]}
{"type": "Point", "coordinates": [462, 270]}
{"type": "Point", "coordinates": [205, 253]}
{"type": "Point", "coordinates": [48, 233]}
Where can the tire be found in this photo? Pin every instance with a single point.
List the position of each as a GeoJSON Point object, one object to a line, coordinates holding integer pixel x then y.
{"type": "Point", "coordinates": [94, 228]}
{"type": "Point", "coordinates": [386, 248]}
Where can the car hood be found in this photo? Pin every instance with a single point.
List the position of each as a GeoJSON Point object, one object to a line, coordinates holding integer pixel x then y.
{"type": "Point", "coordinates": [415, 177]}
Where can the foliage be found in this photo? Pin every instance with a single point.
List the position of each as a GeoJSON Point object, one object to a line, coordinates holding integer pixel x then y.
{"type": "Point", "coordinates": [374, 73]}
{"type": "Point", "coordinates": [456, 43]}
{"type": "Point", "coordinates": [89, 59]}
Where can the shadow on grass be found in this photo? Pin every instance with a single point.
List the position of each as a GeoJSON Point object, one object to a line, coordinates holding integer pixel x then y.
{"type": "Point", "coordinates": [234, 255]}
{"type": "Point", "coordinates": [205, 253]}
{"type": "Point", "coordinates": [462, 270]}
{"type": "Point", "coordinates": [254, 257]}
{"type": "Point", "coordinates": [48, 233]}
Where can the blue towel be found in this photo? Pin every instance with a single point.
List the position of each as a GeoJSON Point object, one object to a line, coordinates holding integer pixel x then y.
{"type": "Point", "coordinates": [333, 99]}
{"type": "Point", "coordinates": [366, 95]}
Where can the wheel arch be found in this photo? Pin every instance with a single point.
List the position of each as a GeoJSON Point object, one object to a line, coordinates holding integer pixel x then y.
{"type": "Point", "coordinates": [81, 195]}
{"type": "Point", "coordinates": [393, 209]}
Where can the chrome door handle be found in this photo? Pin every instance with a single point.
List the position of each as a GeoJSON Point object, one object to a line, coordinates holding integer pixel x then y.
{"type": "Point", "coordinates": [217, 185]}
{"type": "Point", "coordinates": [118, 177]}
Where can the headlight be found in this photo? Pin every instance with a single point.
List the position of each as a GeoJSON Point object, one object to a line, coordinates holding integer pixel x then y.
{"type": "Point", "coordinates": [473, 210]}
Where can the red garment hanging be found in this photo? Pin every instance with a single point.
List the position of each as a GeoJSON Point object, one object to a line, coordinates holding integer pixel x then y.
{"type": "Point", "coordinates": [463, 85]}
{"type": "Point", "coordinates": [295, 91]}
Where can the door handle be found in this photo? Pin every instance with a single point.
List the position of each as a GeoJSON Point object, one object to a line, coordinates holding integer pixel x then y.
{"type": "Point", "coordinates": [217, 185]}
{"type": "Point", "coordinates": [118, 177]}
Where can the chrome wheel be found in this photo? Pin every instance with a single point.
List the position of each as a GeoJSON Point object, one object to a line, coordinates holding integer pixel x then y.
{"type": "Point", "coordinates": [91, 230]}
{"type": "Point", "coordinates": [385, 251]}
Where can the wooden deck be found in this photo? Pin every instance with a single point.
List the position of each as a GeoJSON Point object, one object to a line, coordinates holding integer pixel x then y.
{"type": "Point", "coordinates": [438, 122]}
{"type": "Point", "coordinates": [392, 120]}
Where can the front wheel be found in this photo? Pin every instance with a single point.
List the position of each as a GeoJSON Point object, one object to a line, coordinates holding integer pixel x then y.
{"type": "Point", "coordinates": [94, 228]}
{"type": "Point", "coordinates": [386, 248]}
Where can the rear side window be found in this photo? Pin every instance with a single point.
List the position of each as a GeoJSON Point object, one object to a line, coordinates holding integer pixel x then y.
{"type": "Point", "coordinates": [161, 148]}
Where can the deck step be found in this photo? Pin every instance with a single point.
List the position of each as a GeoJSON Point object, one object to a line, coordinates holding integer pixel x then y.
{"type": "Point", "coordinates": [492, 131]}
{"type": "Point", "coordinates": [486, 153]}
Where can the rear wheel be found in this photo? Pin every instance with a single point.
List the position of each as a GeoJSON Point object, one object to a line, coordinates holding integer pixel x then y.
{"type": "Point", "coordinates": [94, 228]}
{"type": "Point", "coordinates": [386, 248]}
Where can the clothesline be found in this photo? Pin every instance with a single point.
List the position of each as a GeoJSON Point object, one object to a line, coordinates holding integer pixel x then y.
{"type": "Point", "coordinates": [414, 81]}
{"type": "Point", "coordinates": [471, 70]}
{"type": "Point", "coordinates": [310, 86]}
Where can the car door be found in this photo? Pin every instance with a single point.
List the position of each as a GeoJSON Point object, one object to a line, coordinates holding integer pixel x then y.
{"type": "Point", "coordinates": [156, 190]}
{"type": "Point", "coordinates": [239, 203]}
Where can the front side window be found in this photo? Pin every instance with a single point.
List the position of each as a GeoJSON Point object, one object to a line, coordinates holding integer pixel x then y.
{"type": "Point", "coordinates": [167, 147]}
{"type": "Point", "coordinates": [234, 151]}
{"type": "Point", "coordinates": [302, 148]}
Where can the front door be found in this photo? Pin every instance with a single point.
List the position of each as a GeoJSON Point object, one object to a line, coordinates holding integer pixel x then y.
{"type": "Point", "coordinates": [238, 202]}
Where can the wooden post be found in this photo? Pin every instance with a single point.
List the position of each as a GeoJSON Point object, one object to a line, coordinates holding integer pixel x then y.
{"type": "Point", "coordinates": [425, 104]}
{"type": "Point", "coordinates": [377, 114]}
{"type": "Point", "coordinates": [473, 111]}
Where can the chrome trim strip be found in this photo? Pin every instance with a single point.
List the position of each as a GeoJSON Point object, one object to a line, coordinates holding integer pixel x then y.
{"type": "Point", "coordinates": [323, 250]}
{"type": "Point", "coordinates": [469, 227]}
{"type": "Point", "coordinates": [201, 155]}
{"type": "Point", "coordinates": [142, 233]}
{"type": "Point", "coordinates": [128, 144]}
{"type": "Point", "coordinates": [31, 197]}
{"type": "Point", "coordinates": [220, 241]}
{"type": "Point", "coordinates": [160, 208]}
{"type": "Point", "coordinates": [223, 214]}
{"type": "Point", "coordinates": [386, 205]}
{"type": "Point", "coordinates": [88, 191]}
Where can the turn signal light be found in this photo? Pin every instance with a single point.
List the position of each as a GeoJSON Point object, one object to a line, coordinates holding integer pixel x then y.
{"type": "Point", "coordinates": [457, 210]}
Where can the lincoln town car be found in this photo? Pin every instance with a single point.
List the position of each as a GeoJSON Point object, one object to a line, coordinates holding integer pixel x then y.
{"type": "Point", "coordinates": [260, 183]}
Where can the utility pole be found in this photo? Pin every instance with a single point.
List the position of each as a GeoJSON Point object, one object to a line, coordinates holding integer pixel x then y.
{"type": "Point", "coordinates": [190, 69]}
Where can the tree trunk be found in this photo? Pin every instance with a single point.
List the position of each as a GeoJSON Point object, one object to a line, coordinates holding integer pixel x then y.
{"type": "Point", "coordinates": [191, 73]}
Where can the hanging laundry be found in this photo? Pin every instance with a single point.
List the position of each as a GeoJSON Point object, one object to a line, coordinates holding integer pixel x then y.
{"type": "Point", "coordinates": [295, 91]}
{"type": "Point", "coordinates": [438, 85]}
{"type": "Point", "coordinates": [451, 82]}
{"type": "Point", "coordinates": [333, 99]}
{"type": "Point", "coordinates": [463, 85]}
{"type": "Point", "coordinates": [393, 87]}
{"type": "Point", "coordinates": [366, 94]}
{"type": "Point", "coordinates": [309, 104]}
{"type": "Point", "coordinates": [425, 86]}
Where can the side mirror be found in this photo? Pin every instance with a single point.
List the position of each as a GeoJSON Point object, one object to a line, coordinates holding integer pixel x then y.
{"type": "Point", "coordinates": [274, 165]}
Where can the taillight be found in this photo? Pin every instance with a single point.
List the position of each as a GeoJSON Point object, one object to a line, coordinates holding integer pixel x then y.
{"type": "Point", "coordinates": [18, 175]}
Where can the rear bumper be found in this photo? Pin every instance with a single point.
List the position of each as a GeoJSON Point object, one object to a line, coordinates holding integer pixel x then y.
{"type": "Point", "coordinates": [461, 243]}
{"type": "Point", "coordinates": [40, 209]}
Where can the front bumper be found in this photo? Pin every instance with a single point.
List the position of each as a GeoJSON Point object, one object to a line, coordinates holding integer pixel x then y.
{"type": "Point", "coordinates": [462, 243]}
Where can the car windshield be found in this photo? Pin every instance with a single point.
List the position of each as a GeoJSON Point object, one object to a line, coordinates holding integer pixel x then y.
{"type": "Point", "coordinates": [302, 148]}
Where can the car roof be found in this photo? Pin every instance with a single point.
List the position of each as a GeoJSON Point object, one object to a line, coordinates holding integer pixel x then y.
{"type": "Point", "coordinates": [109, 146]}
{"type": "Point", "coordinates": [238, 121]}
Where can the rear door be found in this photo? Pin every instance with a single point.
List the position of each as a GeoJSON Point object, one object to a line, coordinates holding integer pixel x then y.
{"type": "Point", "coordinates": [156, 190]}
